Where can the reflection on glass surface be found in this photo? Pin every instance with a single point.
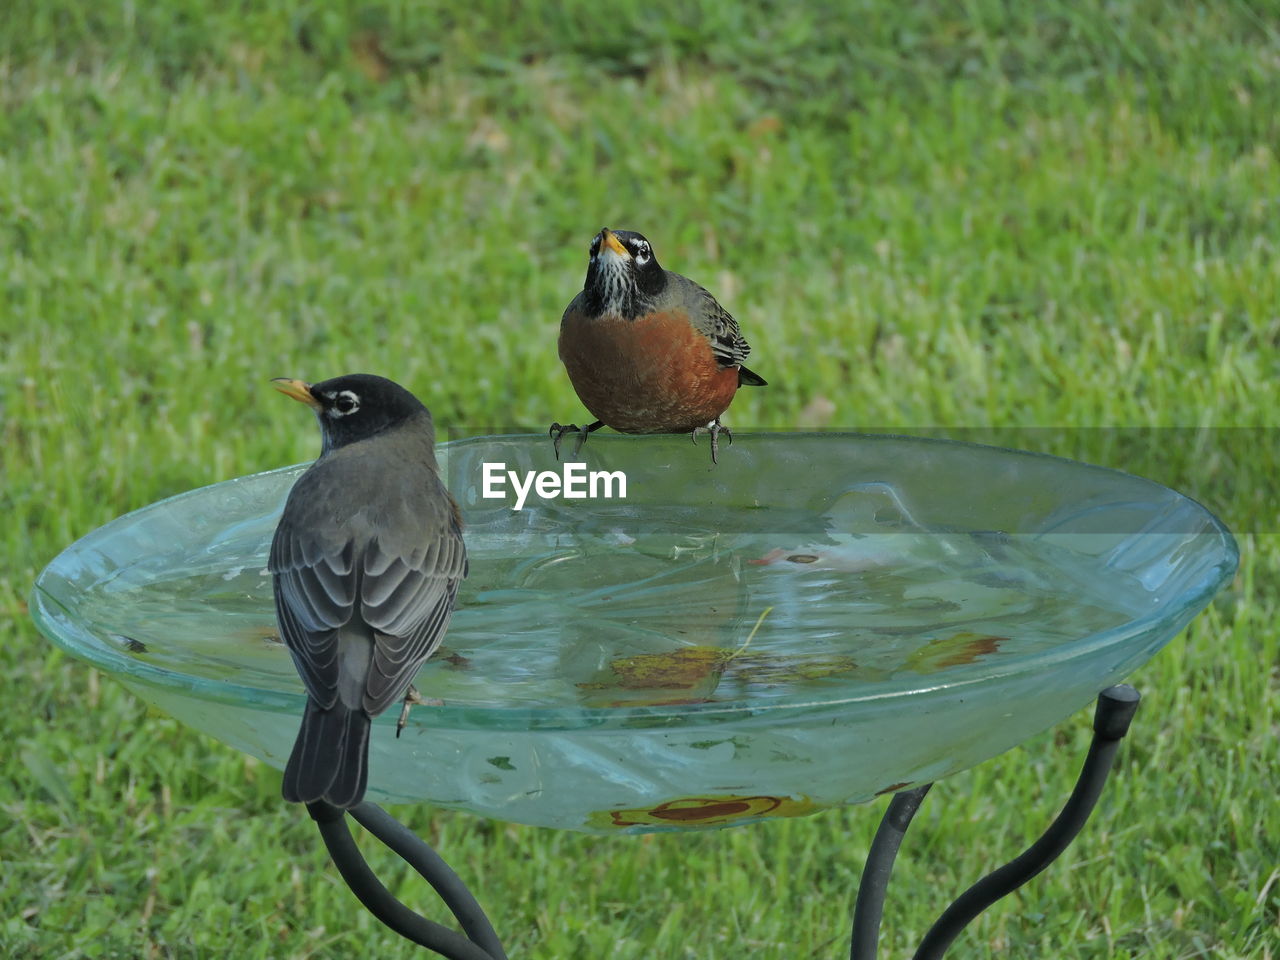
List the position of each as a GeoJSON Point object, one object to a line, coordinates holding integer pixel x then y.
{"type": "Point", "coordinates": [819, 619]}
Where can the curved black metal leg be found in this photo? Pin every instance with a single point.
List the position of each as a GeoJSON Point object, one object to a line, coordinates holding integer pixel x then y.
{"type": "Point", "coordinates": [875, 875]}
{"type": "Point", "coordinates": [432, 868]}
{"type": "Point", "coordinates": [379, 900]}
{"type": "Point", "coordinates": [1116, 707]}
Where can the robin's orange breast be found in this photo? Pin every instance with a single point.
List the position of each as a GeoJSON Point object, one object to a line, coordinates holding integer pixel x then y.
{"type": "Point", "coordinates": [654, 374]}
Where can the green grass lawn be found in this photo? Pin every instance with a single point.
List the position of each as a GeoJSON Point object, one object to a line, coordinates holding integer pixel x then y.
{"type": "Point", "coordinates": [948, 215]}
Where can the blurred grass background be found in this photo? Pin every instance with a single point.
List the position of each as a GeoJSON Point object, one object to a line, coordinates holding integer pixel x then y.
{"type": "Point", "coordinates": [945, 215]}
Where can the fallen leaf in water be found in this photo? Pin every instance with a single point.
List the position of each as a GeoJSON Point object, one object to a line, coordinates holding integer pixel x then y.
{"type": "Point", "coordinates": [681, 669]}
{"type": "Point", "coordinates": [953, 651]}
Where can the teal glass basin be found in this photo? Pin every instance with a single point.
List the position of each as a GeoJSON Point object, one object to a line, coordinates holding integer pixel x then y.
{"type": "Point", "coordinates": [819, 619]}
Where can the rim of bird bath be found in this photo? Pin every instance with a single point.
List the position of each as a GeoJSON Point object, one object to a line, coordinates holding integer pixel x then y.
{"type": "Point", "coordinates": [60, 624]}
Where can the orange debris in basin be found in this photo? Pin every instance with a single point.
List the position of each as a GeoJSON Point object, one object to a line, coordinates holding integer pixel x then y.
{"type": "Point", "coordinates": [711, 811]}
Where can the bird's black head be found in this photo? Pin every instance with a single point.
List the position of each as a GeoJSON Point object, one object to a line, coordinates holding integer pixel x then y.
{"type": "Point", "coordinates": [623, 276]}
{"type": "Point", "coordinates": [354, 407]}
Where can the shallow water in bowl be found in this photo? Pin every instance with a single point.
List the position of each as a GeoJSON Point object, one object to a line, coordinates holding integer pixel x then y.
{"type": "Point", "coordinates": [554, 620]}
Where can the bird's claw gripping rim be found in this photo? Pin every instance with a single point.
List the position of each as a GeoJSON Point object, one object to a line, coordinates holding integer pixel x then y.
{"type": "Point", "coordinates": [558, 430]}
{"type": "Point", "coordinates": [715, 428]}
{"type": "Point", "coordinates": [411, 698]}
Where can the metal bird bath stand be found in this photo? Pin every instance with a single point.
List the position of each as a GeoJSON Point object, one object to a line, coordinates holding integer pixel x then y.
{"type": "Point", "coordinates": [1115, 709]}
{"type": "Point", "coordinates": [691, 651]}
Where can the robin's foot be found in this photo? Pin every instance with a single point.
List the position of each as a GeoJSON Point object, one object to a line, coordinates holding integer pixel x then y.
{"type": "Point", "coordinates": [413, 698]}
{"type": "Point", "coordinates": [558, 430]}
{"type": "Point", "coordinates": [715, 428]}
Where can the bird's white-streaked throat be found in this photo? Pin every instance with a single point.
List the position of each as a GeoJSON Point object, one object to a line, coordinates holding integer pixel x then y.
{"type": "Point", "coordinates": [615, 285]}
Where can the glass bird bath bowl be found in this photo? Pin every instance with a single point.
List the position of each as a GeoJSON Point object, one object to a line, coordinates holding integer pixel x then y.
{"type": "Point", "coordinates": [817, 620]}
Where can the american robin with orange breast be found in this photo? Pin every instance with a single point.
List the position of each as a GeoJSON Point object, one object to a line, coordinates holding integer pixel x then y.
{"type": "Point", "coordinates": [647, 350]}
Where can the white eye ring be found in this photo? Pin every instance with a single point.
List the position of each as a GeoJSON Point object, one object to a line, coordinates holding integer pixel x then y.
{"type": "Point", "coordinates": [345, 404]}
{"type": "Point", "coordinates": [642, 253]}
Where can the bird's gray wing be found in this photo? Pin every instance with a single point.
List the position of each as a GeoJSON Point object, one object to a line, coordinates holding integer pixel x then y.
{"type": "Point", "coordinates": [315, 584]}
{"type": "Point", "coordinates": [712, 320]}
{"type": "Point", "coordinates": [392, 564]}
{"type": "Point", "coordinates": [407, 595]}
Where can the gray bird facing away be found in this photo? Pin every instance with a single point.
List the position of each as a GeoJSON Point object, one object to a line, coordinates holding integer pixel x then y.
{"type": "Point", "coordinates": [366, 563]}
{"type": "Point", "coordinates": [647, 350]}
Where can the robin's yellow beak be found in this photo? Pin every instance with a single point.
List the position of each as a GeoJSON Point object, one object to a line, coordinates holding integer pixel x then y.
{"type": "Point", "coordinates": [297, 389]}
{"type": "Point", "coordinates": [608, 240]}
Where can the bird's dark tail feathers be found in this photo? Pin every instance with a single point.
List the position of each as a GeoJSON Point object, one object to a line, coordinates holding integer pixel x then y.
{"type": "Point", "coordinates": [330, 759]}
{"type": "Point", "coordinates": [748, 378]}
